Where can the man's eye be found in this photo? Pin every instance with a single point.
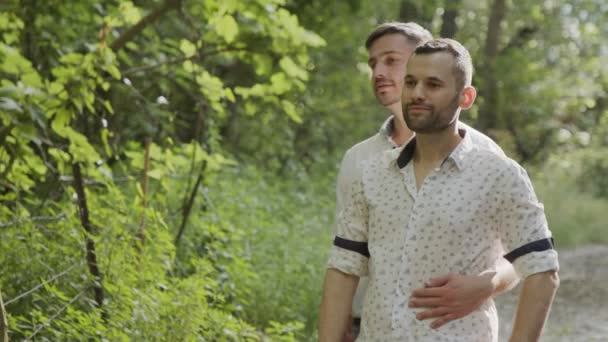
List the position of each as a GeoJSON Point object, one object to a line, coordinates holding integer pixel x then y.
{"type": "Point", "coordinates": [392, 60]}
{"type": "Point", "coordinates": [410, 84]}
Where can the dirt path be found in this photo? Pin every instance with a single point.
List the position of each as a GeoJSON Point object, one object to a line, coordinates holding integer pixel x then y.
{"type": "Point", "coordinates": [580, 310]}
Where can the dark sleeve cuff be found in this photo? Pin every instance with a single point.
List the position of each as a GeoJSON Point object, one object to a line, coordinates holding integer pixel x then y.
{"type": "Point", "coordinates": [536, 246]}
{"type": "Point", "coordinates": [355, 246]}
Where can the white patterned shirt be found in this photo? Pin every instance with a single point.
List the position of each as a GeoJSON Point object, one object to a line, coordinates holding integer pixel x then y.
{"type": "Point", "coordinates": [464, 216]}
{"type": "Point", "coordinates": [372, 147]}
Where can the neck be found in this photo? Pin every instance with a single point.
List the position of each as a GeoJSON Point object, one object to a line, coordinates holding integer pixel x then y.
{"type": "Point", "coordinates": [401, 133]}
{"type": "Point", "coordinates": [433, 148]}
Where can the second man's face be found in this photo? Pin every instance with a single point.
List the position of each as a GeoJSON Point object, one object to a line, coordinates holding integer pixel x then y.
{"type": "Point", "coordinates": [388, 56]}
{"type": "Point", "coordinates": [431, 100]}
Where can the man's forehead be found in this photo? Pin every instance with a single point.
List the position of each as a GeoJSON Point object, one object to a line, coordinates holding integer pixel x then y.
{"type": "Point", "coordinates": [391, 43]}
{"type": "Point", "coordinates": [387, 52]}
{"type": "Point", "coordinates": [437, 64]}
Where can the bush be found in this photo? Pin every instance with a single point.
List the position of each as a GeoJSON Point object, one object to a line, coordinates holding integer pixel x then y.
{"type": "Point", "coordinates": [576, 217]}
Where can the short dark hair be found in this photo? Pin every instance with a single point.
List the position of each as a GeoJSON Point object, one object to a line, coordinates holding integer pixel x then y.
{"type": "Point", "coordinates": [414, 33]}
{"type": "Point", "coordinates": [463, 65]}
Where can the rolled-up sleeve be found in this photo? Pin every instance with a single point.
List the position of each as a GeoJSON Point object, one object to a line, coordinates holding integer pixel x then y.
{"type": "Point", "coordinates": [523, 228]}
{"type": "Point", "coordinates": [349, 252]}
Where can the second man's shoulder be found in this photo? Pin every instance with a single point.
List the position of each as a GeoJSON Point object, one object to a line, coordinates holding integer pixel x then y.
{"type": "Point", "coordinates": [369, 148]}
{"type": "Point", "coordinates": [481, 140]}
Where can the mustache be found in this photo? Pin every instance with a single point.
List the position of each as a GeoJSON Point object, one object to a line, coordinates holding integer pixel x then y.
{"type": "Point", "coordinates": [418, 106]}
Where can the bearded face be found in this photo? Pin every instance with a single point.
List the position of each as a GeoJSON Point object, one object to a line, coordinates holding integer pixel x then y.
{"type": "Point", "coordinates": [430, 99]}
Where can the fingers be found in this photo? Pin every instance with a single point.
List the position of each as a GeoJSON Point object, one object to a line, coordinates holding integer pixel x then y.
{"type": "Point", "coordinates": [443, 320]}
{"type": "Point", "coordinates": [429, 292]}
{"type": "Point", "coordinates": [432, 313]}
{"type": "Point", "coordinates": [438, 281]}
{"type": "Point", "coordinates": [424, 302]}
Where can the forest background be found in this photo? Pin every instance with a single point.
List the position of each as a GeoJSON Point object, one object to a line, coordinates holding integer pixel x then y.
{"type": "Point", "coordinates": [167, 167]}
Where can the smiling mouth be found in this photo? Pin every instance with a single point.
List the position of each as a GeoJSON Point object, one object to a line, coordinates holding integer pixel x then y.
{"type": "Point", "coordinates": [381, 87]}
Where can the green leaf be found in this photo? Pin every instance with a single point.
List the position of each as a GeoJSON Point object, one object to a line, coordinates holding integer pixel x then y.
{"type": "Point", "coordinates": [227, 28]}
{"type": "Point", "coordinates": [229, 95]}
{"type": "Point", "coordinates": [279, 83]}
{"type": "Point", "coordinates": [72, 58]}
{"type": "Point", "coordinates": [189, 66]}
{"type": "Point", "coordinates": [156, 174]}
{"type": "Point", "coordinates": [108, 106]}
{"type": "Point", "coordinates": [55, 88]}
{"type": "Point", "coordinates": [290, 110]}
{"type": "Point", "coordinates": [9, 105]}
{"type": "Point", "coordinates": [104, 140]}
{"type": "Point", "coordinates": [156, 153]}
{"type": "Point", "coordinates": [61, 120]}
{"type": "Point", "coordinates": [130, 12]}
{"type": "Point", "coordinates": [292, 69]}
{"type": "Point", "coordinates": [211, 86]}
{"type": "Point", "coordinates": [13, 62]}
{"type": "Point", "coordinates": [113, 71]}
{"type": "Point", "coordinates": [32, 79]}
{"type": "Point", "coordinates": [187, 48]}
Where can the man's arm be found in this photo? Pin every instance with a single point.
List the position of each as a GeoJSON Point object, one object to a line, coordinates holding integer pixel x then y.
{"type": "Point", "coordinates": [453, 296]}
{"type": "Point", "coordinates": [535, 300]}
{"type": "Point", "coordinates": [338, 292]}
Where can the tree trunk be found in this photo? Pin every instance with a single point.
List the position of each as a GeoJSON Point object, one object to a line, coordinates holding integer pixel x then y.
{"type": "Point", "coordinates": [90, 243]}
{"type": "Point", "coordinates": [490, 108]}
{"type": "Point", "coordinates": [202, 138]}
{"type": "Point", "coordinates": [413, 11]}
{"type": "Point", "coordinates": [3, 321]}
{"type": "Point", "coordinates": [448, 20]}
{"type": "Point", "coordinates": [141, 235]}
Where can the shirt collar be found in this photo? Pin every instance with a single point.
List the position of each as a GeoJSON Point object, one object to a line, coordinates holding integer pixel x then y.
{"type": "Point", "coordinates": [387, 127]}
{"type": "Point", "coordinates": [403, 155]}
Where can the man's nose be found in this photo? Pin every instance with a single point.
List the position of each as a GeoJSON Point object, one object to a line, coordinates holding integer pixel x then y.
{"type": "Point", "coordinates": [379, 71]}
{"type": "Point", "coordinates": [417, 92]}
{"type": "Point", "coordinates": [413, 94]}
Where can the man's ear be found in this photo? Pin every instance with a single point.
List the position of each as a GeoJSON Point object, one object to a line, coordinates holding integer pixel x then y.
{"type": "Point", "coordinates": [467, 97]}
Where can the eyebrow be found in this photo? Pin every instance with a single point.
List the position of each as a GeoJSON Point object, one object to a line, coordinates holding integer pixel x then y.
{"type": "Point", "coordinates": [436, 79]}
{"type": "Point", "coordinates": [432, 78]}
{"type": "Point", "coordinates": [384, 54]}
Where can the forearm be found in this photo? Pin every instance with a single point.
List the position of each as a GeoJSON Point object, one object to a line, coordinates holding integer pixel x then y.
{"type": "Point", "coordinates": [534, 305]}
{"type": "Point", "coordinates": [338, 292]}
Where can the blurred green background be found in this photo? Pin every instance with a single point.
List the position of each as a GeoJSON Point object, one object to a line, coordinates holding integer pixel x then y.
{"type": "Point", "coordinates": [167, 167]}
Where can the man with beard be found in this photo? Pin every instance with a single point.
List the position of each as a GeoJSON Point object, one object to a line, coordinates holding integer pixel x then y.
{"type": "Point", "coordinates": [449, 296]}
{"type": "Point", "coordinates": [461, 205]}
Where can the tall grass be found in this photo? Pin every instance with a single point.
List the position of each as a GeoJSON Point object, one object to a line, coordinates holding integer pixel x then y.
{"type": "Point", "coordinates": [575, 218]}
{"type": "Point", "coordinates": [287, 224]}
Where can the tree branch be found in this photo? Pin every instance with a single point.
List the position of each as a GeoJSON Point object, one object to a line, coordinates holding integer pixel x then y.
{"type": "Point", "coordinates": [34, 219]}
{"type": "Point", "coordinates": [35, 288]}
{"type": "Point", "coordinates": [197, 56]}
{"type": "Point", "coordinates": [190, 203]}
{"type": "Point", "coordinates": [128, 35]}
{"type": "Point", "coordinates": [523, 35]}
